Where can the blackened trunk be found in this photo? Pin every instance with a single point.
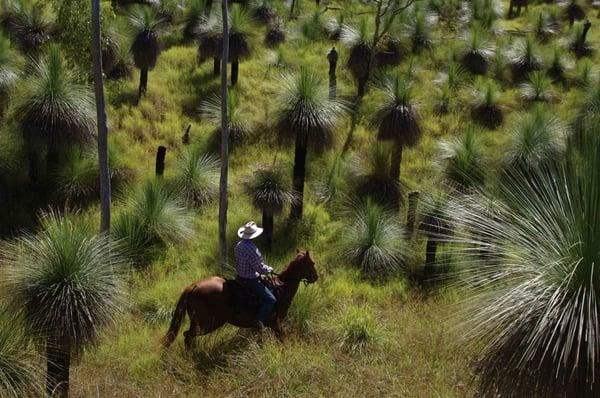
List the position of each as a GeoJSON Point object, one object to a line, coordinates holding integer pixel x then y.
{"type": "Point", "coordinates": [52, 154]}
{"type": "Point", "coordinates": [430, 253]}
{"type": "Point", "coordinates": [216, 66]}
{"type": "Point", "coordinates": [58, 356]}
{"type": "Point", "coordinates": [396, 162]}
{"type": "Point", "coordinates": [143, 82]}
{"type": "Point", "coordinates": [299, 175]}
{"type": "Point", "coordinates": [267, 220]}
{"type": "Point", "coordinates": [235, 66]}
{"type": "Point", "coordinates": [362, 86]}
{"type": "Point", "coordinates": [411, 215]}
{"type": "Point", "coordinates": [33, 167]}
{"type": "Point", "coordinates": [161, 153]}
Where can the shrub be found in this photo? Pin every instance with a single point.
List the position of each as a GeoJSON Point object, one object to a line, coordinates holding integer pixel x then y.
{"type": "Point", "coordinates": [586, 73]}
{"type": "Point", "coordinates": [374, 241]}
{"type": "Point", "coordinates": [239, 120]}
{"type": "Point", "coordinates": [197, 177]}
{"type": "Point", "coordinates": [477, 51]}
{"type": "Point", "coordinates": [539, 299]}
{"type": "Point", "coordinates": [486, 12]}
{"type": "Point", "coordinates": [577, 41]}
{"type": "Point", "coordinates": [524, 57]}
{"type": "Point", "coordinates": [545, 26]}
{"type": "Point", "coordinates": [537, 88]}
{"type": "Point", "coordinates": [419, 29]}
{"type": "Point", "coordinates": [152, 216]}
{"type": "Point", "coordinates": [537, 138]}
{"type": "Point", "coordinates": [312, 28]}
{"type": "Point", "coordinates": [20, 374]}
{"type": "Point", "coordinates": [65, 283]}
{"type": "Point", "coordinates": [485, 103]}
{"type": "Point", "coordinates": [370, 175]}
{"type": "Point", "coordinates": [559, 65]}
{"type": "Point", "coordinates": [463, 162]}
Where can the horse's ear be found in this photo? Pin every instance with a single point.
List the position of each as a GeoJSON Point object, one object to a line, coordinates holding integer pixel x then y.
{"type": "Point", "coordinates": [297, 250]}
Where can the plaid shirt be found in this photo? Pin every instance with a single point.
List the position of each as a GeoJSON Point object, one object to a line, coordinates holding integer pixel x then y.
{"type": "Point", "coordinates": [249, 262]}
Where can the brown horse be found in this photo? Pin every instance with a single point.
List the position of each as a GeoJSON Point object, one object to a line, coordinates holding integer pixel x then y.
{"type": "Point", "coordinates": [209, 303]}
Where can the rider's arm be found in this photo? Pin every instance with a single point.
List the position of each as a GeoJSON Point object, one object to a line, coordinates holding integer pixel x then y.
{"type": "Point", "coordinates": [260, 265]}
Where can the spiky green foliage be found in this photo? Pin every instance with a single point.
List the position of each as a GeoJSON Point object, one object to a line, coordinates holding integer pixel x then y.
{"type": "Point", "coordinates": [334, 25]}
{"type": "Point", "coordinates": [145, 26]}
{"type": "Point", "coordinates": [419, 29]}
{"type": "Point", "coordinates": [559, 65]}
{"type": "Point", "coordinates": [374, 241]}
{"type": "Point", "coordinates": [51, 106]}
{"type": "Point", "coordinates": [535, 307]}
{"type": "Point", "coordinates": [487, 12]}
{"type": "Point", "coordinates": [313, 27]}
{"type": "Point", "coordinates": [463, 162]}
{"type": "Point", "coordinates": [573, 10]}
{"type": "Point", "coordinates": [29, 24]}
{"type": "Point", "coordinates": [443, 100]}
{"type": "Point", "coordinates": [9, 70]}
{"type": "Point", "coordinates": [194, 16]}
{"type": "Point", "coordinates": [577, 41]}
{"type": "Point", "coordinates": [264, 10]}
{"type": "Point", "coordinates": [64, 281]}
{"type": "Point", "coordinates": [545, 26]}
{"type": "Point", "coordinates": [333, 187]}
{"type": "Point", "coordinates": [524, 57]}
{"type": "Point", "coordinates": [485, 103]}
{"type": "Point", "coordinates": [537, 88]}
{"type": "Point", "coordinates": [20, 374]}
{"type": "Point", "coordinates": [152, 215]}
{"type": "Point", "coordinates": [306, 111]}
{"type": "Point", "coordinates": [241, 28]}
{"type": "Point", "coordinates": [477, 50]}
{"type": "Point", "coordinates": [78, 177]}
{"type": "Point", "coordinates": [270, 189]}
{"type": "Point", "coordinates": [452, 75]}
{"type": "Point", "coordinates": [536, 139]}
{"type": "Point", "coordinates": [239, 120]}
{"type": "Point", "coordinates": [357, 40]}
{"type": "Point", "coordinates": [589, 112]}
{"type": "Point", "coordinates": [197, 177]}
{"type": "Point", "coordinates": [397, 118]}
{"type": "Point", "coordinates": [370, 177]}
{"type": "Point", "coordinates": [586, 73]}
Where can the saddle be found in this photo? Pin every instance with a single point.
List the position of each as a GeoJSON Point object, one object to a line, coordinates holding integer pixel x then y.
{"type": "Point", "coordinates": [244, 300]}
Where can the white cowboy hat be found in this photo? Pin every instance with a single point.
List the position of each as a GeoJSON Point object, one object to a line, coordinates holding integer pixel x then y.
{"type": "Point", "coordinates": [249, 231]}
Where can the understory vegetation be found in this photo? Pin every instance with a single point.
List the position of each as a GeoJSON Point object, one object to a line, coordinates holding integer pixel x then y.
{"type": "Point", "coordinates": [445, 175]}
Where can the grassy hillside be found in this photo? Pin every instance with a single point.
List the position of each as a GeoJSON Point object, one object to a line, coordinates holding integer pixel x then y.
{"type": "Point", "coordinates": [346, 335]}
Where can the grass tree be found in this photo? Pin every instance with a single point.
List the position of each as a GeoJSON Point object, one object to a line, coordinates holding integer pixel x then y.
{"type": "Point", "coordinates": [419, 28]}
{"type": "Point", "coordinates": [486, 12]}
{"type": "Point", "coordinates": [53, 108]}
{"type": "Point", "coordinates": [397, 119]}
{"type": "Point", "coordinates": [586, 73]}
{"type": "Point", "coordinates": [573, 10]}
{"type": "Point", "coordinates": [238, 117]}
{"type": "Point", "coordinates": [537, 88]}
{"type": "Point", "coordinates": [194, 16]}
{"type": "Point", "coordinates": [145, 26]}
{"type": "Point", "coordinates": [374, 241]}
{"type": "Point", "coordinates": [197, 177]}
{"type": "Point", "coordinates": [9, 71]}
{"type": "Point", "coordinates": [463, 162]}
{"type": "Point", "coordinates": [65, 283]}
{"type": "Point", "coordinates": [477, 51]}
{"type": "Point", "coordinates": [271, 191]}
{"type": "Point", "coordinates": [152, 215]}
{"type": "Point", "coordinates": [536, 310]}
{"type": "Point", "coordinates": [545, 27]}
{"type": "Point", "coordinates": [524, 57]}
{"type": "Point", "coordinates": [486, 108]}
{"type": "Point", "coordinates": [360, 52]}
{"type": "Point", "coordinates": [308, 117]}
{"type": "Point", "coordinates": [436, 226]}
{"type": "Point", "coordinates": [369, 175]}
{"type": "Point", "coordinates": [20, 375]}
{"type": "Point", "coordinates": [276, 33]}
{"type": "Point", "coordinates": [536, 139]}
{"type": "Point", "coordinates": [559, 65]}
{"type": "Point", "coordinates": [28, 23]}
{"type": "Point", "coordinates": [589, 111]}
{"type": "Point", "coordinates": [264, 10]}
{"type": "Point", "coordinates": [577, 41]}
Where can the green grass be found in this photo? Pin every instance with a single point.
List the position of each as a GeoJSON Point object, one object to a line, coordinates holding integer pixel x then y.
{"type": "Point", "coordinates": [412, 349]}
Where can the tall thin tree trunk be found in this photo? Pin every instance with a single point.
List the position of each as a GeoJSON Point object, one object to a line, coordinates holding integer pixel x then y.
{"type": "Point", "coordinates": [235, 67]}
{"type": "Point", "coordinates": [58, 356]}
{"type": "Point", "coordinates": [292, 9]}
{"type": "Point", "coordinates": [216, 66]}
{"type": "Point", "coordinates": [396, 162]}
{"type": "Point", "coordinates": [143, 82]}
{"type": "Point", "coordinates": [101, 120]}
{"type": "Point", "coordinates": [224, 141]}
{"type": "Point", "coordinates": [268, 226]}
{"type": "Point", "coordinates": [299, 176]}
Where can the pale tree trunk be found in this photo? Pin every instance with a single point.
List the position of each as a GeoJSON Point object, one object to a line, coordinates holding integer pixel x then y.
{"type": "Point", "coordinates": [224, 142]}
{"type": "Point", "coordinates": [101, 120]}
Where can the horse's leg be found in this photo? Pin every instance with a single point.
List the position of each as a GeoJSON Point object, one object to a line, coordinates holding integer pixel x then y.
{"type": "Point", "coordinates": [192, 331]}
{"type": "Point", "coordinates": [276, 327]}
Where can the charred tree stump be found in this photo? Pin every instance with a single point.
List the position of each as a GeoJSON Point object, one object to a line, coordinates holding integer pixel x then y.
{"type": "Point", "coordinates": [185, 140]}
{"type": "Point", "coordinates": [160, 160]}
{"type": "Point", "coordinates": [411, 214]}
{"type": "Point", "coordinates": [332, 58]}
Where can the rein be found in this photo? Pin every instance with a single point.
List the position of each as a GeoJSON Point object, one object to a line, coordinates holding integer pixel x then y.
{"type": "Point", "coordinates": [303, 280]}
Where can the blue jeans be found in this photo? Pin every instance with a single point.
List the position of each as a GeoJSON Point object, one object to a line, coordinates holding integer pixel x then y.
{"type": "Point", "coordinates": [267, 299]}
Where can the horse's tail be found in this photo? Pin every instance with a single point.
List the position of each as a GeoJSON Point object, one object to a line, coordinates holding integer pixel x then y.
{"type": "Point", "coordinates": [178, 316]}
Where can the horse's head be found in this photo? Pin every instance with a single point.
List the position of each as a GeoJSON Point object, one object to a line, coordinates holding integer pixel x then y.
{"type": "Point", "coordinates": [302, 268]}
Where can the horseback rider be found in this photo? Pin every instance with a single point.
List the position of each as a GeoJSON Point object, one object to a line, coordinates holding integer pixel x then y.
{"type": "Point", "coordinates": [249, 266]}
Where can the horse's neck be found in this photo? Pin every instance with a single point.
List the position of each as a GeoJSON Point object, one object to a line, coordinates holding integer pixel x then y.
{"type": "Point", "coordinates": [290, 288]}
